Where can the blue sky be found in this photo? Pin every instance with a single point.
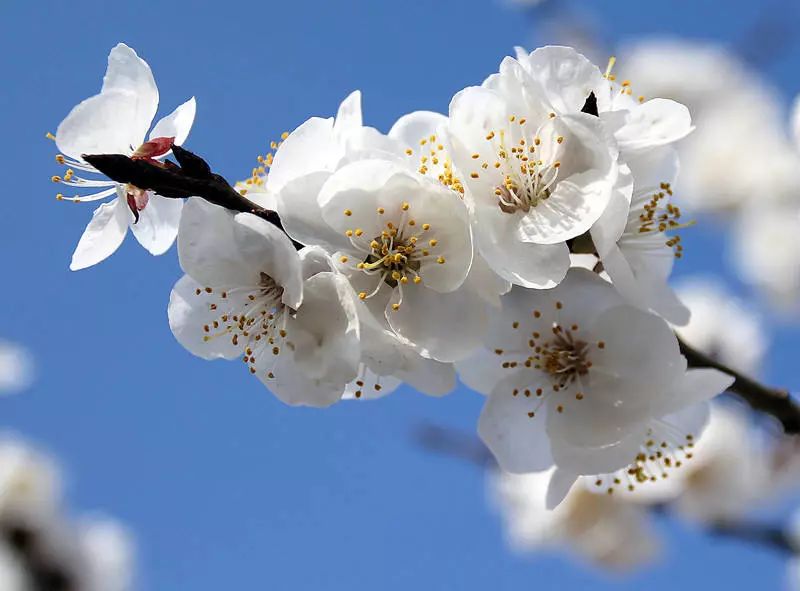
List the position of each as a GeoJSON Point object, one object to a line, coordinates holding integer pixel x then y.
{"type": "Point", "coordinates": [222, 485]}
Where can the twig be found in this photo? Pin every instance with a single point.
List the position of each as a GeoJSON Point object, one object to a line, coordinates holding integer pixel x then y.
{"type": "Point", "coordinates": [766, 535]}
{"type": "Point", "coordinates": [772, 401]}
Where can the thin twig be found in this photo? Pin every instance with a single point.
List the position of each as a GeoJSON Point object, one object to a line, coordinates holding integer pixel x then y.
{"type": "Point", "coordinates": [772, 401]}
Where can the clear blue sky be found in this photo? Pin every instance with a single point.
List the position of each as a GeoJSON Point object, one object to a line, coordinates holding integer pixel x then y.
{"type": "Point", "coordinates": [223, 486]}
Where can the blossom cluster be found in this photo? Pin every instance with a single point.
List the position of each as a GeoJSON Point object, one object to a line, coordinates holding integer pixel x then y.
{"type": "Point", "coordinates": [523, 241]}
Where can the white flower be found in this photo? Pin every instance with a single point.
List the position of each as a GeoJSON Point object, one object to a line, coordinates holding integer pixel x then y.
{"type": "Point", "coordinates": [404, 242]}
{"type": "Point", "coordinates": [766, 251]}
{"type": "Point", "coordinates": [721, 326]}
{"type": "Point", "coordinates": [604, 529]}
{"type": "Point", "coordinates": [640, 262]}
{"type": "Point", "coordinates": [245, 295]}
{"type": "Point", "coordinates": [534, 178]}
{"type": "Point", "coordinates": [579, 379]}
{"type": "Point", "coordinates": [16, 368]}
{"type": "Point", "coordinates": [115, 122]}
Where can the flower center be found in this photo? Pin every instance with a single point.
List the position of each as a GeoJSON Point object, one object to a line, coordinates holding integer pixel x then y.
{"type": "Point", "coordinates": [254, 318]}
{"type": "Point", "coordinates": [434, 162]}
{"type": "Point", "coordinates": [396, 255]}
{"type": "Point", "coordinates": [527, 158]}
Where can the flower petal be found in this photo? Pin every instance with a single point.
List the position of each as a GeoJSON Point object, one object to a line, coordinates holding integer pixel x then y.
{"type": "Point", "coordinates": [103, 235]}
{"type": "Point", "coordinates": [129, 73]}
{"type": "Point", "coordinates": [188, 314]}
{"type": "Point", "coordinates": [518, 441]}
{"type": "Point", "coordinates": [102, 124]}
{"type": "Point", "coordinates": [158, 223]}
{"type": "Point", "coordinates": [177, 124]}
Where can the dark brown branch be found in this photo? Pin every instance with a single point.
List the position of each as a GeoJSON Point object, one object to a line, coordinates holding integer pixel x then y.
{"type": "Point", "coordinates": [192, 178]}
{"type": "Point", "coordinates": [772, 401]}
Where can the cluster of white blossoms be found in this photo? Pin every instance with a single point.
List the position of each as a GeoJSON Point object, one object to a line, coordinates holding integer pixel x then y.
{"type": "Point", "coordinates": [43, 548]}
{"type": "Point", "coordinates": [732, 103]}
{"type": "Point", "coordinates": [524, 241]}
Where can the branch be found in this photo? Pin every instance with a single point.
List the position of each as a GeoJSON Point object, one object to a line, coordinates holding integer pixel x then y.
{"type": "Point", "coordinates": [193, 178]}
{"type": "Point", "coordinates": [765, 535]}
{"type": "Point", "coordinates": [772, 401]}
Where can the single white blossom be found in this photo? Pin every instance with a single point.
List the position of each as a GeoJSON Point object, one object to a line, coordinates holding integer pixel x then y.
{"type": "Point", "coordinates": [116, 121]}
{"type": "Point", "coordinates": [578, 379]}
{"type": "Point", "coordinates": [536, 175]}
{"type": "Point", "coordinates": [245, 295]}
{"type": "Point", "coordinates": [722, 326]}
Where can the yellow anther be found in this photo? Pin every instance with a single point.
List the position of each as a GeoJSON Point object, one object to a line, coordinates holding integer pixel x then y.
{"type": "Point", "coordinates": [417, 279]}
{"type": "Point", "coordinates": [405, 206]}
{"type": "Point", "coordinates": [359, 231]}
{"type": "Point", "coordinates": [395, 307]}
{"type": "Point", "coordinates": [440, 260]}
{"type": "Point", "coordinates": [348, 212]}
{"type": "Point", "coordinates": [433, 242]}
{"type": "Point", "coordinates": [55, 178]}
{"type": "Point", "coordinates": [362, 295]}
{"type": "Point", "coordinates": [344, 259]}
{"type": "Point", "coordinates": [409, 151]}
{"type": "Point", "coordinates": [426, 227]}
{"type": "Point", "coordinates": [381, 210]}
{"type": "Point", "coordinates": [348, 233]}
{"type": "Point", "coordinates": [50, 136]}
{"type": "Point", "coordinates": [59, 159]}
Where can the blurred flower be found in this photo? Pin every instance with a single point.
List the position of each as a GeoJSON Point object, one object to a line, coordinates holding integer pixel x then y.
{"type": "Point", "coordinates": [721, 326]}
{"type": "Point", "coordinates": [603, 529]}
{"type": "Point", "coordinates": [728, 102]}
{"type": "Point", "coordinates": [40, 547]}
{"type": "Point", "coordinates": [16, 368]}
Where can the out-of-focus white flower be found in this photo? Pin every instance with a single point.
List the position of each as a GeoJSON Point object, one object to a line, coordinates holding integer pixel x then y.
{"type": "Point", "coordinates": [766, 251]}
{"type": "Point", "coordinates": [603, 529]}
{"type": "Point", "coordinates": [40, 546]}
{"type": "Point", "coordinates": [721, 326]}
{"type": "Point", "coordinates": [109, 553]}
{"type": "Point", "coordinates": [245, 295]}
{"type": "Point", "coordinates": [16, 368]}
{"type": "Point", "coordinates": [728, 102]}
{"type": "Point", "coordinates": [579, 379]}
{"type": "Point", "coordinates": [116, 122]}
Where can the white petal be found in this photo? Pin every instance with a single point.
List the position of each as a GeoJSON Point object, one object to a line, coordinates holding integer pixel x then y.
{"type": "Point", "coordinates": [348, 117]}
{"type": "Point", "coordinates": [103, 235]}
{"type": "Point", "coordinates": [519, 442]}
{"type": "Point", "coordinates": [301, 216]}
{"type": "Point", "coordinates": [611, 224]}
{"type": "Point", "coordinates": [639, 346]}
{"type": "Point", "coordinates": [584, 460]}
{"type": "Point", "coordinates": [539, 266]}
{"type": "Point", "coordinates": [158, 223]}
{"type": "Point", "coordinates": [129, 73]}
{"type": "Point", "coordinates": [188, 313]}
{"type": "Point", "coordinates": [177, 124]}
{"type": "Point", "coordinates": [312, 147]}
{"type": "Point", "coordinates": [558, 488]}
{"type": "Point", "coordinates": [696, 385]}
{"type": "Point", "coordinates": [445, 327]}
{"type": "Point", "coordinates": [657, 122]}
{"type": "Point", "coordinates": [565, 75]}
{"type": "Point", "coordinates": [481, 371]}
{"type": "Point", "coordinates": [265, 248]}
{"type": "Point", "coordinates": [413, 127]}
{"type": "Point", "coordinates": [102, 124]}
{"type": "Point", "coordinates": [207, 247]}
